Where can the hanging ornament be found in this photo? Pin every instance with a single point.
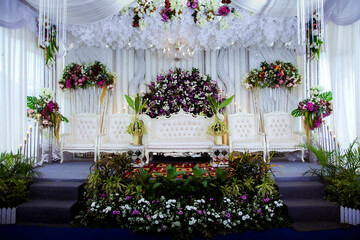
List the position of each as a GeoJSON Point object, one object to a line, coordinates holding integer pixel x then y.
{"type": "Point", "coordinates": [52, 28]}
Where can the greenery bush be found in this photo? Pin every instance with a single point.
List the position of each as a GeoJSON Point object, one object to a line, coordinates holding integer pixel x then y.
{"type": "Point", "coordinates": [340, 172]}
{"type": "Point", "coordinates": [16, 172]}
{"type": "Point", "coordinates": [181, 203]}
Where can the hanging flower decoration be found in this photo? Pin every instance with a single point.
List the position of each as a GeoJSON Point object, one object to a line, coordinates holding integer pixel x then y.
{"type": "Point", "coordinates": [313, 33]}
{"type": "Point", "coordinates": [273, 75]}
{"type": "Point", "coordinates": [82, 76]}
{"type": "Point", "coordinates": [50, 47]}
{"type": "Point", "coordinates": [178, 89]}
{"type": "Point", "coordinates": [45, 111]}
{"type": "Point", "coordinates": [314, 109]}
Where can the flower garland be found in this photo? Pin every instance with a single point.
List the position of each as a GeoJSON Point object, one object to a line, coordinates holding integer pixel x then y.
{"type": "Point", "coordinates": [273, 75]}
{"type": "Point", "coordinates": [313, 33]}
{"type": "Point", "coordinates": [314, 109]}
{"type": "Point", "coordinates": [178, 89]}
{"type": "Point", "coordinates": [45, 111]}
{"type": "Point", "coordinates": [82, 76]}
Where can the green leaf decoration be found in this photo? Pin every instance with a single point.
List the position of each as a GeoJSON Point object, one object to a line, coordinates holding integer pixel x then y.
{"type": "Point", "coordinates": [296, 113]}
{"type": "Point", "coordinates": [326, 96]}
{"type": "Point", "coordinates": [226, 102]}
{"type": "Point", "coordinates": [31, 102]}
{"type": "Point", "coordinates": [129, 101]}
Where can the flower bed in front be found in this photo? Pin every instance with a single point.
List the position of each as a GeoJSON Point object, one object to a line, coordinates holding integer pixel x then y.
{"type": "Point", "coordinates": [198, 203]}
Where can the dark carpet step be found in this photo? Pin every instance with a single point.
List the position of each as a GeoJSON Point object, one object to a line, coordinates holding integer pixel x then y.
{"type": "Point", "coordinates": [55, 190]}
{"type": "Point", "coordinates": [313, 210]}
{"type": "Point", "coordinates": [317, 226]}
{"type": "Point", "coordinates": [42, 211]}
{"type": "Point", "coordinates": [301, 190]}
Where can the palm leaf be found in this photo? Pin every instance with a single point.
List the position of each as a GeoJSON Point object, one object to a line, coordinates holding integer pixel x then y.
{"type": "Point", "coordinates": [226, 102]}
{"type": "Point", "coordinates": [129, 101]}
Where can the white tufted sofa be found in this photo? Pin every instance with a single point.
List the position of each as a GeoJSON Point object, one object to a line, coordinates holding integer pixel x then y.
{"type": "Point", "coordinates": [115, 138]}
{"type": "Point", "coordinates": [85, 129]}
{"type": "Point", "coordinates": [179, 133]}
{"type": "Point", "coordinates": [245, 135]}
{"type": "Point", "coordinates": [280, 134]}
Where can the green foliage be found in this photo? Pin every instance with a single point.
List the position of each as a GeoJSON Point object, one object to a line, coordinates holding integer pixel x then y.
{"type": "Point", "coordinates": [340, 173]}
{"type": "Point", "coordinates": [296, 112]}
{"type": "Point", "coordinates": [13, 192]}
{"type": "Point", "coordinates": [16, 172]}
{"type": "Point", "coordinates": [217, 128]}
{"type": "Point", "coordinates": [267, 186]}
{"type": "Point", "coordinates": [136, 126]}
{"type": "Point", "coordinates": [216, 106]}
{"type": "Point", "coordinates": [107, 175]}
{"type": "Point", "coordinates": [137, 104]}
{"type": "Point", "coordinates": [327, 96]}
{"type": "Point", "coordinates": [16, 166]}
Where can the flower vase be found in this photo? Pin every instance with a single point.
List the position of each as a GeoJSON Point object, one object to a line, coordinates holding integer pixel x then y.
{"type": "Point", "coordinates": [136, 139]}
{"type": "Point", "coordinates": [218, 140]}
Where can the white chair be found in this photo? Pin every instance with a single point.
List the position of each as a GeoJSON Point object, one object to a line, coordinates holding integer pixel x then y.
{"type": "Point", "coordinates": [280, 134]}
{"type": "Point", "coordinates": [244, 133]}
{"type": "Point", "coordinates": [85, 129]}
{"type": "Point", "coordinates": [115, 139]}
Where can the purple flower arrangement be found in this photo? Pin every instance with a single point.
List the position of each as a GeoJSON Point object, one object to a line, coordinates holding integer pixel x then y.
{"type": "Point", "coordinates": [178, 89]}
{"type": "Point", "coordinates": [315, 108]}
{"type": "Point", "coordinates": [82, 76]}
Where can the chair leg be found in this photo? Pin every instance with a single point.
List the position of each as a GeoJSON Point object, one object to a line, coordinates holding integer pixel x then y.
{"type": "Point", "coordinates": [302, 155]}
{"type": "Point", "coordinates": [264, 156]}
{"type": "Point", "coordinates": [62, 156]}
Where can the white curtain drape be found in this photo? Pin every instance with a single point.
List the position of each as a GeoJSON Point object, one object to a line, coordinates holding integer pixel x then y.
{"type": "Point", "coordinates": [16, 14]}
{"type": "Point", "coordinates": [342, 12]}
{"type": "Point", "coordinates": [21, 75]}
{"type": "Point", "coordinates": [342, 58]}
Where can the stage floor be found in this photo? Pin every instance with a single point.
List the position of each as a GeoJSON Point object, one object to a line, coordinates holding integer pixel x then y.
{"type": "Point", "coordinates": [79, 170]}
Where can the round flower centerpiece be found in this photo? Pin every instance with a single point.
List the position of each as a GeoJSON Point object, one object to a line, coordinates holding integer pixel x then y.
{"type": "Point", "coordinates": [178, 89]}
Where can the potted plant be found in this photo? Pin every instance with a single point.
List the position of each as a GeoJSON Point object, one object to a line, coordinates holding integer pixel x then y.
{"type": "Point", "coordinates": [137, 126]}
{"type": "Point", "coordinates": [218, 128]}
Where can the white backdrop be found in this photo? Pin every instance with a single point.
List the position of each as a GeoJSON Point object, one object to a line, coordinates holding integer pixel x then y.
{"type": "Point", "coordinates": [226, 66]}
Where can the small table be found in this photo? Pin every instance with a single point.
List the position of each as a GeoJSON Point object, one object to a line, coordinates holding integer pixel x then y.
{"type": "Point", "coordinates": [220, 156]}
{"type": "Point", "coordinates": [136, 152]}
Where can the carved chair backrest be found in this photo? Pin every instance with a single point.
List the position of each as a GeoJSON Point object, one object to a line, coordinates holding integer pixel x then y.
{"type": "Point", "coordinates": [85, 127]}
{"type": "Point", "coordinates": [278, 126]}
{"type": "Point", "coordinates": [243, 126]}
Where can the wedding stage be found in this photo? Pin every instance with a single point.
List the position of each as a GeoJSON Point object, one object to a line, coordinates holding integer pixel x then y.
{"type": "Point", "coordinates": [191, 118]}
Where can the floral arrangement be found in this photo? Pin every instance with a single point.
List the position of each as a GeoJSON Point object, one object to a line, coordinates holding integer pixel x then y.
{"type": "Point", "coordinates": [314, 108]}
{"type": "Point", "coordinates": [273, 75]}
{"type": "Point", "coordinates": [313, 34]}
{"type": "Point", "coordinates": [45, 111]}
{"type": "Point", "coordinates": [178, 89]}
{"type": "Point", "coordinates": [173, 9]}
{"type": "Point", "coordinates": [83, 76]}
